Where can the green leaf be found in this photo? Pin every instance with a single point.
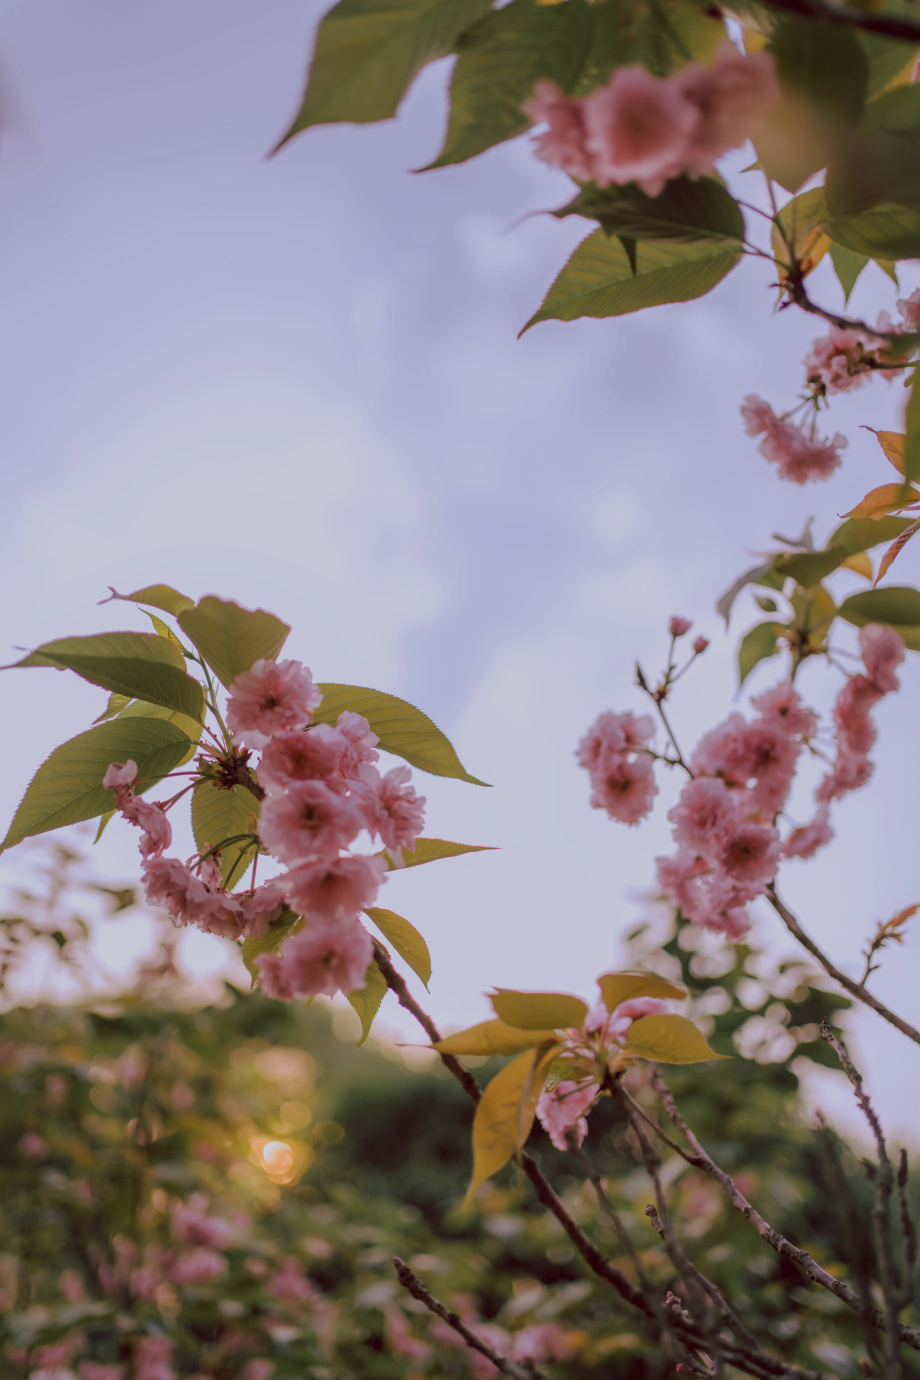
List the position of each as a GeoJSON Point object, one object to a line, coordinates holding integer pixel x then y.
{"type": "Point", "coordinates": [888, 231]}
{"type": "Point", "coordinates": [861, 534]}
{"type": "Point", "coordinates": [889, 59]}
{"type": "Point", "coordinates": [401, 728]}
{"type": "Point", "coordinates": [897, 605]}
{"type": "Point", "coordinates": [432, 850]}
{"type": "Point", "coordinates": [67, 788]}
{"type": "Point", "coordinates": [114, 707]}
{"type": "Point", "coordinates": [823, 74]}
{"type": "Point", "coordinates": [138, 665]}
{"type": "Point", "coordinates": [251, 949]}
{"type": "Point", "coordinates": [366, 1000]}
{"type": "Point", "coordinates": [912, 435]}
{"type": "Point", "coordinates": [757, 645]}
{"type": "Point", "coordinates": [231, 638]}
{"type": "Point", "coordinates": [504, 1116]}
{"type": "Point", "coordinates": [687, 210]}
{"type": "Point", "coordinates": [757, 575]}
{"type": "Point", "coordinates": [103, 823]}
{"type": "Point", "coordinates": [493, 1037]}
{"type": "Point", "coordinates": [158, 597]}
{"type": "Point", "coordinates": [598, 279]}
{"type": "Point", "coordinates": [368, 53]}
{"type": "Point", "coordinates": [847, 266]}
{"type": "Point", "coordinates": [539, 1010]}
{"type": "Point", "coordinates": [895, 109]}
{"type": "Point", "coordinates": [668, 1040]}
{"type": "Point", "coordinates": [501, 58]}
{"type": "Point", "coordinates": [620, 987]}
{"type": "Point", "coordinates": [612, 45]}
{"type": "Point", "coordinates": [405, 939]}
{"type": "Point", "coordinates": [809, 568]}
{"type": "Point", "coordinates": [141, 709]}
{"type": "Point", "coordinates": [219, 814]}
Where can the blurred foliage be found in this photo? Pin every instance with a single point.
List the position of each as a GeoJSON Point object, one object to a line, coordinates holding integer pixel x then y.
{"type": "Point", "coordinates": [218, 1192]}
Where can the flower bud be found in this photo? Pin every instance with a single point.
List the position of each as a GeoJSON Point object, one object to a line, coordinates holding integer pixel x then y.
{"type": "Point", "coordinates": [678, 626]}
{"type": "Point", "coordinates": [700, 644]}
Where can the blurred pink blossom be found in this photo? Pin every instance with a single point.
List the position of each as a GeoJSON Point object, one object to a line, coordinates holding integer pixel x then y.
{"type": "Point", "coordinates": [323, 958]}
{"type": "Point", "coordinates": [805, 841]}
{"type": "Point", "coordinates": [798, 457]}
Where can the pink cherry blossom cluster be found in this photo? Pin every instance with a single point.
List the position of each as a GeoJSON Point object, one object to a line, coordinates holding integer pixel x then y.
{"type": "Point", "coordinates": [798, 457]}
{"type": "Point", "coordinates": [562, 1110]}
{"type": "Point", "coordinates": [882, 652]}
{"type": "Point", "coordinates": [646, 129]}
{"type": "Point", "coordinates": [844, 359]}
{"type": "Point", "coordinates": [320, 791]}
{"type": "Point", "coordinates": [614, 752]}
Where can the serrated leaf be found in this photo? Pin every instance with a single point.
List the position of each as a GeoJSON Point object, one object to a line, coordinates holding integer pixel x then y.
{"type": "Point", "coordinates": [501, 58]}
{"type": "Point", "coordinates": [138, 665]}
{"type": "Point", "coordinates": [887, 231]}
{"type": "Point", "coordinates": [368, 53]}
{"type": "Point", "coordinates": [492, 1037]}
{"type": "Point", "coordinates": [598, 279]}
{"type": "Point", "coordinates": [539, 1010]}
{"type": "Point", "coordinates": [158, 597]}
{"type": "Point", "coordinates": [163, 629]}
{"type": "Point", "coordinates": [220, 814]}
{"type": "Point", "coordinates": [141, 709]}
{"type": "Point", "coordinates": [687, 210]}
{"type": "Point", "coordinates": [366, 1000]}
{"type": "Point", "coordinates": [231, 638]}
{"type": "Point", "coordinates": [823, 76]}
{"type": "Point", "coordinates": [432, 850]}
{"type": "Point", "coordinates": [885, 499]}
{"type": "Point", "coordinates": [861, 534]}
{"type": "Point", "coordinates": [619, 987]}
{"type": "Point", "coordinates": [848, 266]}
{"type": "Point", "coordinates": [898, 605]}
{"type": "Point", "coordinates": [405, 939]}
{"type": "Point", "coordinates": [401, 728]}
{"type": "Point", "coordinates": [67, 787]}
{"type": "Point", "coordinates": [895, 549]}
{"type": "Point", "coordinates": [251, 949]}
{"type": "Point", "coordinates": [504, 1116]}
{"type": "Point", "coordinates": [757, 645]}
{"type": "Point", "coordinates": [668, 1039]}
{"type": "Point", "coordinates": [911, 469]}
{"type": "Point", "coordinates": [114, 707]}
{"type": "Point", "coordinates": [799, 224]}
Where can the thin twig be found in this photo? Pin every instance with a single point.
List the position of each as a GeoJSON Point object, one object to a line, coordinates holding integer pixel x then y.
{"type": "Point", "coordinates": [910, 1335]}
{"type": "Point", "coordinates": [884, 1185]}
{"type": "Point", "coordinates": [598, 1185]}
{"type": "Point", "coordinates": [855, 989]}
{"type": "Point", "coordinates": [908, 1231]}
{"type": "Point", "coordinates": [410, 1280]}
{"type": "Point", "coordinates": [889, 26]}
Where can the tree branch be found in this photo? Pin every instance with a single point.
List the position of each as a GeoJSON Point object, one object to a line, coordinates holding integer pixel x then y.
{"type": "Point", "coordinates": [888, 26]}
{"type": "Point", "coordinates": [910, 1335]}
{"type": "Point", "coordinates": [410, 1280]}
{"type": "Point", "coordinates": [856, 989]}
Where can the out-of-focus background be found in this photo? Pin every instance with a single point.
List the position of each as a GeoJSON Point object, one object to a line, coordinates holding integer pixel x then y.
{"type": "Point", "coordinates": [295, 381]}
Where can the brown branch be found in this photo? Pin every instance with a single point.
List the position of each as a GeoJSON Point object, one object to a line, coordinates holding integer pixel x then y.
{"type": "Point", "coordinates": [598, 1184]}
{"type": "Point", "coordinates": [888, 26]}
{"type": "Point", "coordinates": [884, 1186]}
{"type": "Point", "coordinates": [410, 1280]}
{"type": "Point", "coordinates": [856, 989]}
{"type": "Point", "coordinates": [910, 1335]}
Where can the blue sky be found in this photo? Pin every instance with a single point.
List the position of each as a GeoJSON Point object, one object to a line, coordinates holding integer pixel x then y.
{"type": "Point", "coordinates": [296, 382]}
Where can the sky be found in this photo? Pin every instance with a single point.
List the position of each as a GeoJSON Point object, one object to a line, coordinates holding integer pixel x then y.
{"type": "Point", "coordinates": [296, 381]}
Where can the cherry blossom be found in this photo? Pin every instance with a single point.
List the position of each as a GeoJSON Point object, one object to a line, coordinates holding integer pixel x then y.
{"type": "Point", "coordinates": [201, 1266]}
{"type": "Point", "coordinates": [805, 841]}
{"type": "Point", "coordinates": [392, 808]}
{"type": "Point", "coordinates": [638, 128]}
{"type": "Point", "coordinates": [270, 697]}
{"type": "Point", "coordinates": [309, 820]}
{"type": "Point", "coordinates": [798, 457]}
{"type": "Point", "coordinates": [564, 144]}
{"type": "Point", "coordinates": [678, 626]}
{"type": "Point", "coordinates": [561, 1112]}
{"type": "Point", "coordinates": [321, 959]}
{"type": "Point", "coordinates": [334, 889]}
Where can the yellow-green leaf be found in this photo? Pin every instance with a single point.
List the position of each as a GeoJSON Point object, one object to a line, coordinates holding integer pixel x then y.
{"type": "Point", "coordinates": [220, 814]}
{"type": "Point", "coordinates": [493, 1037]}
{"type": "Point", "coordinates": [800, 225]}
{"type": "Point", "coordinates": [401, 728]}
{"type": "Point", "coordinates": [432, 850]}
{"type": "Point", "coordinates": [366, 1000]}
{"type": "Point", "coordinates": [619, 987]}
{"type": "Point", "coordinates": [504, 1115]}
{"type": "Point", "coordinates": [756, 645]}
{"type": "Point", "coordinates": [141, 709]}
{"type": "Point", "coordinates": [405, 939]}
{"type": "Point", "coordinates": [668, 1040]}
{"type": "Point", "coordinates": [892, 444]}
{"type": "Point", "coordinates": [885, 499]}
{"type": "Point", "coordinates": [231, 638]}
{"type": "Point", "coordinates": [114, 707]}
{"type": "Point", "coordinates": [139, 665]}
{"type": "Point", "coordinates": [251, 949]}
{"type": "Point", "coordinates": [158, 597]}
{"type": "Point", "coordinates": [600, 278]}
{"type": "Point", "coordinates": [539, 1010]}
{"type": "Point", "coordinates": [67, 788]}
